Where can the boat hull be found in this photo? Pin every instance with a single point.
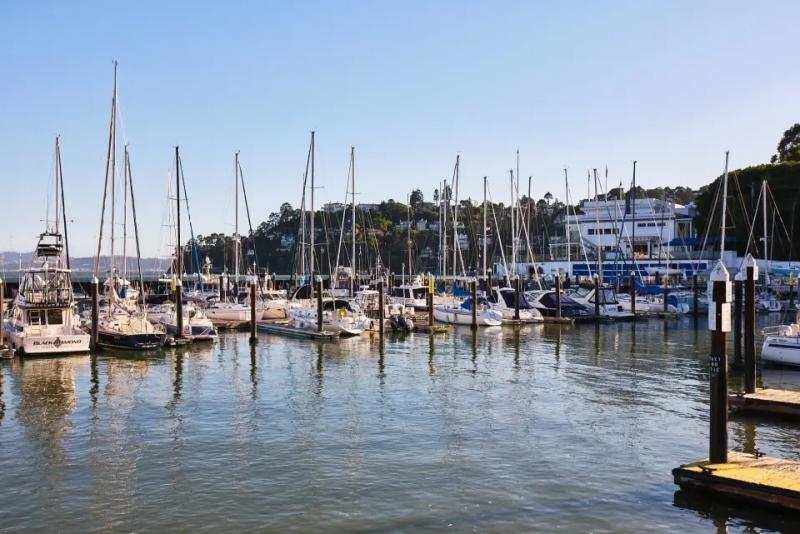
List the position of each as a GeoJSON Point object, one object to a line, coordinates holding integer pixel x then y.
{"type": "Point", "coordinates": [46, 345]}
{"type": "Point", "coordinates": [145, 341]}
{"type": "Point", "coordinates": [464, 317]}
{"type": "Point", "coordinates": [781, 350]}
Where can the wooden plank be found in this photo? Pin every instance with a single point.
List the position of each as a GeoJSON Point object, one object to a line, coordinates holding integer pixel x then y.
{"type": "Point", "coordinates": [756, 480]}
{"type": "Point", "coordinates": [767, 401]}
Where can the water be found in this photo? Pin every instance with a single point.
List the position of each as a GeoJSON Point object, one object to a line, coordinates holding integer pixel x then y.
{"type": "Point", "coordinates": [551, 428]}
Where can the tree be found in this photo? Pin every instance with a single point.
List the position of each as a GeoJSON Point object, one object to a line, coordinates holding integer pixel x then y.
{"type": "Point", "coordinates": [789, 146]}
{"type": "Point", "coordinates": [416, 197]}
{"type": "Point", "coordinates": [548, 197]}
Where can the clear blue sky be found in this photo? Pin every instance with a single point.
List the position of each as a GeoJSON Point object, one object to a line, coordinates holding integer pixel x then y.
{"type": "Point", "coordinates": [410, 84]}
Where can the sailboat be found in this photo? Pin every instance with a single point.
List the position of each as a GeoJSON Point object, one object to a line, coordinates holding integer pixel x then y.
{"type": "Point", "coordinates": [228, 312]}
{"type": "Point", "coordinates": [122, 321]}
{"type": "Point", "coordinates": [42, 319]}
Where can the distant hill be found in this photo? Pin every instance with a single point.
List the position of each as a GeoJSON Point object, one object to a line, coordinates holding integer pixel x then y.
{"type": "Point", "coordinates": [11, 261]}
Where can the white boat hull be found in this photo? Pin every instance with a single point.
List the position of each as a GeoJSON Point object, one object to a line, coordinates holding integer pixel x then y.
{"type": "Point", "coordinates": [458, 315]}
{"type": "Point", "coordinates": [783, 350]}
{"type": "Point", "coordinates": [55, 344]}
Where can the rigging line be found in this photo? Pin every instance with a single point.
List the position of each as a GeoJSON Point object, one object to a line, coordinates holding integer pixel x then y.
{"type": "Point", "coordinates": [136, 233]}
{"type": "Point", "coordinates": [105, 183]}
{"type": "Point", "coordinates": [246, 209]}
{"type": "Point", "coordinates": [195, 251]}
{"type": "Point", "coordinates": [780, 217]}
{"type": "Point", "coordinates": [344, 216]}
{"type": "Point", "coordinates": [710, 220]}
{"type": "Point", "coordinates": [497, 226]}
{"type": "Point", "coordinates": [63, 207]}
{"type": "Point", "coordinates": [753, 226]}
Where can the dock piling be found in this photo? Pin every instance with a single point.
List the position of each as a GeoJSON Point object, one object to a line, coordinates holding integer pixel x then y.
{"type": "Point", "coordinates": [719, 324]}
{"type": "Point", "coordinates": [596, 298]}
{"type": "Point", "coordinates": [473, 285]}
{"type": "Point", "coordinates": [696, 296]}
{"type": "Point", "coordinates": [558, 296]}
{"type": "Point", "coordinates": [381, 310]}
{"type": "Point", "coordinates": [221, 288]}
{"type": "Point", "coordinates": [253, 338]}
{"type": "Point", "coordinates": [2, 298]}
{"type": "Point", "coordinates": [179, 307]}
{"type": "Point", "coordinates": [516, 298]}
{"type": "Point", "coordinates": [319, 303]}
{"type": "Point", "coordinates": [666, 294]}
{"type": "Point", "coordinates": [737, 322]}
{"type": "Point", "coordinates": [791, 294]}
{"type": "Point", "coordinates": [750, 324]}
{"type": "Point", "coordinates": [95, 312]}
{"type": "Point", "coordinates": [429, 295]}
{"type": "Point", "coordinates": [489, 282]}
{"type": "Point", "coordinates": [632, 290]}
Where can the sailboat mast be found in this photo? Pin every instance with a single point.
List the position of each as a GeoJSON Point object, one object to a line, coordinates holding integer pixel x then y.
{"type": "Point", "coordinates": [445, 207]}
{"type": "Point", "coordinates": [766, 233]}
{"type": "Point", "coordinates": [353, 222]}
{"type": "Point", "coordinates": [528, 221]}
{"type": "Point", "coordinates": [484, 228]}
{"type": "Point", "coordinates": [113, 164]}
{"type": "Point", "coordinates": [58, 166]}
{"type": "Point", "coordinates": [455, 216]}
{"type": "Point", "coordinates": [597, 230]}
{"type": "Point", "coordinates": [724, 207]}
{"type": "Point", "coordinates": [633, 215]}
{"type": "Point", "coordinates": [178, 248]}
{"type": "Point", "coordinates": [513, 225]}
{"type": "Point", "coordinates": [236, 222]}
{"type": "Point", "coordinates": [408, 237]}
{"type": "Point", "coordinates": [125, 215]}
{"type": "Point", "coordinates": [311, 256]}
{"type": "Point", "coordinates": [105, 182]}
{"type": "Point", "coordinates": [566, 221]}
{"type": "Point", "coordinates": [60, 180]}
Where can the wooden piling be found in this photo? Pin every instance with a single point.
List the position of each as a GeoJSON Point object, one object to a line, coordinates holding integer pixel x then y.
{"type": "Point", "coordinates": [718, 365]}
{"type": "Point", "coordinates": [2, 303]}
{"type": "Point", "coordinates": [558, 296]}
{"type": "Point", "coordinates": [596, 298]}
{"type": "Point", "coordinates": [253, 330]}
{"type": "Point", "coordinates": [516, 298]}
{"type": "Point", "coordinates": [179, 307]}
{"type": "Point", "coordinates": [750, 324]}
{"type": "Point", "coordinates": [221, 288]}
{"type": "Point", "coordinates": [319, 304]}
{"type": "Point", "coordinates": [473, 285]}
{"type": "Point", "coordinates": [489, 282]}
{"type": "Point", "coordinates": [632, 290]}
{"type": "Point", "coordinates": [666, 294]}
{"type": "Point", "coordinates": [737, 323]}
{"type": "Point", "coordinates": [791, 296]}
{"type": "Point", "coordinates": [381, 310]}
{"type": "Point", "coordinates": [95, 312]}
{"type": "Point", "coordinates": [696, 296]}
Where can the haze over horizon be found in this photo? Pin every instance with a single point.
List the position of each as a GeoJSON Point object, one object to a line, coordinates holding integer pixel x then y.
{"type": "Point", "coordinates": [578, 85]}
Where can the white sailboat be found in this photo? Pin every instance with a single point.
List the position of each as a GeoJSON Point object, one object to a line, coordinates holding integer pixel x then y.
{"type": "Point", "coordinates": [503, 300]}
{"type": "Point", "coordinates": [42, 319]}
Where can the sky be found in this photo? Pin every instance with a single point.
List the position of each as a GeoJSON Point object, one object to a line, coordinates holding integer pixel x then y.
{"type": "Point", "coordinates": [576, 85]}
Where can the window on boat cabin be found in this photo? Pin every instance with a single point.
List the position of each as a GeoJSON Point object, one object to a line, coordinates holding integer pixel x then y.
{"type": "Point", "coordinates": [55, 316]}
{"type": "Point", "coordinates": [508, 298]}
{"type": "Point", "coordinates": [35, 317]}
{"type": "Point", "coordinates": [591, 231]}
{"type": "Point", "coordinates": [419, 293]}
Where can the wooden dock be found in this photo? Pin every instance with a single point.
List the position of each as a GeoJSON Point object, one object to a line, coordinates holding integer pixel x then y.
{"type": "Point", "coordinates": [283, 329]}
{"type": "Point", "coordinates": [754, 479]}
{"type": "Point", "coordinates": [558, 320]}
{"type": "Point", "coordinates": [767, 401]}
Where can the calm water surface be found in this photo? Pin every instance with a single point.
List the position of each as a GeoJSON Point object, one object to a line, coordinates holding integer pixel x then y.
{"type": "Point", "coordinates": [548, 428]}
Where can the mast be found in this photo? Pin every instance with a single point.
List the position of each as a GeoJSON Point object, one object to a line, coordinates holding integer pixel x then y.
{"type": "Point", "coordinates": [456, 246]}
{"type": "Point", "coordinates": [125, 216]}
{"type": "Point", "coordinates": [633, 215]}
{"type": "Point", "coordinates": [484, 229]}
{"type": "Point", "coordinates": [311, 257]}
{"type": "Point", "coordinates": [408, 218]}
{"type": "Point", "coordinates": [597, 230]}
{"type": "Point", "coordinates": [135, 231]}
{"type": "Point", "coordinates": [764, 214]}
{"type": "Point", "coordinates": [108, 168]}
{"type": "Point", "coordinates": [113, 167]}
{"type": "Point", "coordinates": [178, 248]}
{"type": "Point", "coordinates": [353, 222]}
{"type": "Point", "coordinates": [566, 220]}
{"type": "Point", "coordinates": [724, 207]}
{"type": "Point", "coordinates": [513, 225]}
{"type": "Point", "coordinates": [236, 223]}
{"type": "Point", "coordinates": [446, 205]}
{"type": "Point", "coordinates": [60, 186]}
{"type": "Point", "coordinates": [528, 221]}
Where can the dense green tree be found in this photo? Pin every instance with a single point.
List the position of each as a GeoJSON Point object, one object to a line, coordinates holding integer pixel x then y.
{"type": "Point", "coordinates": [789, 146]}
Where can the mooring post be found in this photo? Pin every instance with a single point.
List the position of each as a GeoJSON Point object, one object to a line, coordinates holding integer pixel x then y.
{"type": "Point", "coordinates": [750, 324]}
{"type": "Point", "coordinates": [222, 288]}
{"type": "Point", "coordinates": [319, 303]}
{"type": "Point", "coordinates": [558, 296]}
{"type": "Point", "coordinates": [95, 312]}
{"type": "Point", "coordinates": [179, 307]}
{"type": "Point", "coordinates": [696, 290]}
{"type": "Point", "coordinates": [666, 294]}
{"type": "Point", "coordinates": [516, 298]}
{"type": "Point", "coordinates": [473, 285]}
{"type": "Point", "coordinates": [2, 298]}
{"type": "Point", "coordinates": [489, 282]}
{"type": "Point", "coordinates": [253, 338]}
{"type": "Point", "coordinates": [737, 321]}
{"type": "Point", "coordinates": [791, 293]}
{"type": "Point", "coordinates": [596, 298]}
{"type": "Point", "coordinates": [719, 322]}
{"type": "Point", "coordinates": [381, 310]}
{"type": "Point", "coordinates": [391, 282]}
{"type": "Point", "coordinates": [632, 291]}
{"type": "Point", "coordinates": [430, 300]}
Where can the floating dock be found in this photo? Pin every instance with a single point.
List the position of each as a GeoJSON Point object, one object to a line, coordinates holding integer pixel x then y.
{"type": "Point", "coordinates": [767, 401]}
{"type": "Point", "coordinates": [283, 329]}
{"type": "Point", "coordinates": [754, 479]}
{"type": "Point", "coordinates": [427, 328]}
{"type": "Point", "coordinates": [558, 320]}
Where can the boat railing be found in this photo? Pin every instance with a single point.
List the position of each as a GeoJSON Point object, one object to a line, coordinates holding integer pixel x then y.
{"type": "Point", "coordinates": [55, 297]}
